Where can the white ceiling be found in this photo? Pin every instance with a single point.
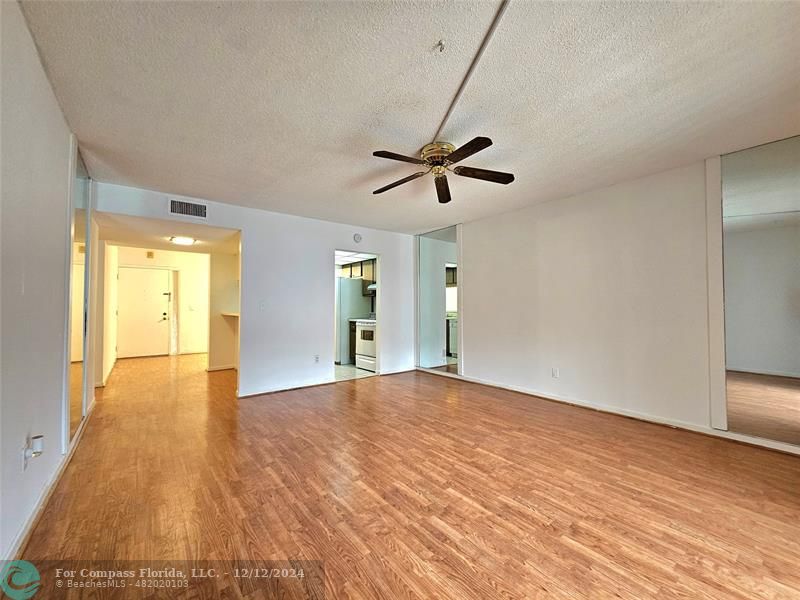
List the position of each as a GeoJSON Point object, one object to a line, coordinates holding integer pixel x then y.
{"type": "Point", "coordinates": [763, 180]}
{"type": "Point", "coordinates": [155, 233]}
{"type": "Point", "coordinates": [342, 257]}
{"type": "Point", "coordinates": [448, 234]}
{"type": "Point", "coordinates": [767, 221]}
{"type": "Point", "coordinates": [761, 187]}
{"type": "Point", "coordinates": [279, 105]}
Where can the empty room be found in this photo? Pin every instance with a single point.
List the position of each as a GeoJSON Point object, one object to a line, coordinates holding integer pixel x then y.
{"type": "Point", "coordinates": [426, 299]}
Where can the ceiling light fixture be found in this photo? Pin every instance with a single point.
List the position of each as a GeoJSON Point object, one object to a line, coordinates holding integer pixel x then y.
{"type": "Point", "coordinates": [182, 240]}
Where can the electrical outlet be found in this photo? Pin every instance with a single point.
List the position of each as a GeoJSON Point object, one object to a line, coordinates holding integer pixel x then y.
{"type": "Point", "coordinates": [316, 358]}
{"type": "Point", "coordinates": [554, 373]}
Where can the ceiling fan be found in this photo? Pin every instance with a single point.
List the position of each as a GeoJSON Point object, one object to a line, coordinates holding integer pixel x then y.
{"type": "Point", "coordinates": [438, 156]}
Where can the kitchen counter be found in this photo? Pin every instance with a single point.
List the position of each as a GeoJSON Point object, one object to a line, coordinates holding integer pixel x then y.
{"type": "Point", "coordinates": [364, 319]}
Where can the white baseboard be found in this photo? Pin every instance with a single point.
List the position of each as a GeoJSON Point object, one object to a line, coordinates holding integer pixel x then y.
{"type": "Point", "coordinates": [763, 372]}
{"type": "Point", "coordinates": [21, 539]}
{"type": "Point", "coordinates": [730, 435]}
{"type": "Point", "coordinates": [220, 368]}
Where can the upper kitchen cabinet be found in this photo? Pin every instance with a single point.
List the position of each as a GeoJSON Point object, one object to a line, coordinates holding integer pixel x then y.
{"type": "Point", "coordinates": [368, 270]}
{"type": "Point", "coordinates": [451, 276]}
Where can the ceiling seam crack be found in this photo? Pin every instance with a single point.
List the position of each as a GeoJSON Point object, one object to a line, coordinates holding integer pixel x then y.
{"type": "Point", "coordinates": [486, 39]}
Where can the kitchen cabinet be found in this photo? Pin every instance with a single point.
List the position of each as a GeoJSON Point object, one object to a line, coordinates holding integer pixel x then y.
{"type": "Point", "coordinates": [368, 270]}
{"type": "Point", "coordinates": [451, 276]}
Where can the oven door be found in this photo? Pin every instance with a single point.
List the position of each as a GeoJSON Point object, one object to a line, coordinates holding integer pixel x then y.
{"type": "Point", "coordinates": [365, 339]}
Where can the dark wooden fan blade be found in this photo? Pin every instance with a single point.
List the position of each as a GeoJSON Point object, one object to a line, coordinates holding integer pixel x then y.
{"type": "Point", "coordinates": [485, 174]}
{"type": "Point", "coordinates": [468, 149]}
{"type": "Point", "coordinates": [400, 182]}
{"type": "Point", "coordinates": [442, 189]}
{"type": "Point", "coordinates": [395, 156]}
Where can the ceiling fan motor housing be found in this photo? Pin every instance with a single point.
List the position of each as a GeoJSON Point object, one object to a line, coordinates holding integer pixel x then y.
{"type": "Point", "coordinates": [435, 153]}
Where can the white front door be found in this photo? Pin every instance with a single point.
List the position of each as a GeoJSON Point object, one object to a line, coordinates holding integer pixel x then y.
{"type": "Point", "coordinates": [143, 304]}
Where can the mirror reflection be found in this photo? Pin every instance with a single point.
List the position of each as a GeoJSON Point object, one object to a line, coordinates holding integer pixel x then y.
{"type": "Point", "coordinates": [438, 300]}
{"type": "Point", "coordinates": [78, 295]}
{"type": "Point", "coordinates": [761, 241]}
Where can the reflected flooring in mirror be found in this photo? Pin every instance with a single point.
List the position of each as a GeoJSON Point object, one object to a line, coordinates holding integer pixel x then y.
{"type": "Point", "coordinates": [75, 396]}
{"type": "Point", "coordinates": [448, 368]}
{"type": "Point", "coordinates": [347, 372]}
{"type": "Point", "coordinates": [765, 406]}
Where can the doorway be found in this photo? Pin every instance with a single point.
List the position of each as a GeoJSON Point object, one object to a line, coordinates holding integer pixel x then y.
{"type": "Point", "coordinates": [355, 317]}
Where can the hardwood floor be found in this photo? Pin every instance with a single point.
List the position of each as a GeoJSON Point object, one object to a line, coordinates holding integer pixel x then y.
{"type": "Point", "coordinates": [419, 486]}
{"type": "Point", "coordinates": [765, 406]}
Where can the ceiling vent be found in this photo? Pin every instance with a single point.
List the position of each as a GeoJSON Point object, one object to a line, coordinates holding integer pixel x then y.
{"type": "Point", "coordinates": [190, 209]}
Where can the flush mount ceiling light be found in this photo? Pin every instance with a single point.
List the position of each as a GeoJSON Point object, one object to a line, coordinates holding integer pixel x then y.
{"type": "Point", "coordinates": [181, 240]}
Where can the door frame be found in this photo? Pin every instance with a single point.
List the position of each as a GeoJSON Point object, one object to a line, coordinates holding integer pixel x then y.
{"type": "Point", "coordinates": [377, 274]}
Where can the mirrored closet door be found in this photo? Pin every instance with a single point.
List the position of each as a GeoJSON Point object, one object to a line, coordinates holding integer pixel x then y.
{"type": "Point", "coordinates": [761, 257]}
{"type": "Point", "coordinates": [437, 301]}
{"type": "Point", "coordinates": [78, 275]}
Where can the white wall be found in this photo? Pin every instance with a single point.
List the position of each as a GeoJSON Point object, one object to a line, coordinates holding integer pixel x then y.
{"type": "Point", "coordinates": [192, 296]}
{"type": "Point", "coordinates": [451, 299]}
{"type": "Point", "coordinates": [35, 195]}
{"type": "Point", "coordinates": [106, 339]}
{"type": "Point", "coordinates": [287, 288]}
{"type": "Point", "coordinates": [223, 343]}
{"type": "Point", "coordinates": [433, 255]}
{"type": "Point", "coordinates": [607, 286]}
{"type": "Point", "coordinates": [762, 300]}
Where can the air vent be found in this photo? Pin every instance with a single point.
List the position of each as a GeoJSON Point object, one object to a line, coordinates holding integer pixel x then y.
{"type": "Point", "coordinates": [179, 207]}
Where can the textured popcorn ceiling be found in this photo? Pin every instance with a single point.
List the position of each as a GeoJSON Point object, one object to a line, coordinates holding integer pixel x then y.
{"type": "Point", "coordinates": [279, 105]}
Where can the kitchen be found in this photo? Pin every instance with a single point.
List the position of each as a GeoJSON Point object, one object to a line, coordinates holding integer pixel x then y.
{"type": "Point", "coordinates": [355, 352]}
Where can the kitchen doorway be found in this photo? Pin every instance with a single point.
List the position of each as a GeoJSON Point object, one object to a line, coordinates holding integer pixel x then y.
{"type": "Point", "coordinates": [355, 317]}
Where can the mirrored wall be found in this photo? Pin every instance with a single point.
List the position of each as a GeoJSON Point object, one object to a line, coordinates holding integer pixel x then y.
{"type": "Point", "coordinates": [438, 301]}
{"type": "Point", "coordinates": [78, 299]}
{"type": "Point", "coordinates": [761, 255]}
